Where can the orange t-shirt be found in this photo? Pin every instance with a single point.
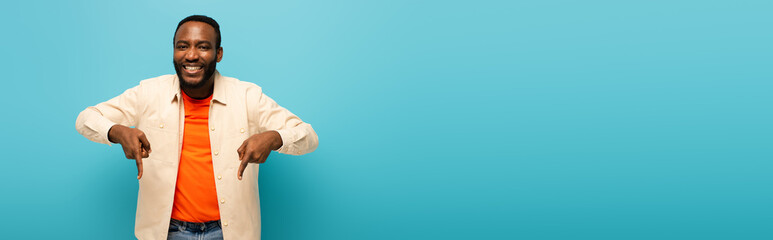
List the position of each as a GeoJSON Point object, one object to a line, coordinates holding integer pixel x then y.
{"type": "Point", "coordinates": [195, 197]}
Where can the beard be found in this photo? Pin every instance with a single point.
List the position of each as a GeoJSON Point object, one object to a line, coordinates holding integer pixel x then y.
{"type": "Point", "coordinates": [208, 72]}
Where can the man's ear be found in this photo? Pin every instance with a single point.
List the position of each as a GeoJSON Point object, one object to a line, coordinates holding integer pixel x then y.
{"type": "Point", "coordinates": [219, 54]}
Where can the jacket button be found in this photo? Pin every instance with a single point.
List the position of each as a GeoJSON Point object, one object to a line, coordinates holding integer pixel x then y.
{"type": "Point", "coordinates": [213, 129]}
{"type": "Point", "coordinates": [222, 201]}
{"type": "Point", "coordinates": [161, 126]}
{"type": "Point", "coordinates": [241, 130]}
{"type": "Point", "coordinates": [216, 152]}
{"type": "Point", "coordinates": [219, 177]}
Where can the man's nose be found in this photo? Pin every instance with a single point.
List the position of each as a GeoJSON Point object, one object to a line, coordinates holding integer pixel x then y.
{"type": "Point", "coordinates": [191, 55]}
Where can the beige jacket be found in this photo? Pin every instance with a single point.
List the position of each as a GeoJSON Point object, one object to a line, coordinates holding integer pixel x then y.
{"type": "Point", "coordinates": [238, 110]}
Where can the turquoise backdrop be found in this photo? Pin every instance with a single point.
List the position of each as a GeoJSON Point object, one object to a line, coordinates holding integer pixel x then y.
{"type": "Point", "coordinates": [551, 119]}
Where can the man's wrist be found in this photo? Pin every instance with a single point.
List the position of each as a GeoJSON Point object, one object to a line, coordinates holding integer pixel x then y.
{"type": "Point", "coordinates": [111, 134]}
{"type": "Point", "coordinates": [277, 143]}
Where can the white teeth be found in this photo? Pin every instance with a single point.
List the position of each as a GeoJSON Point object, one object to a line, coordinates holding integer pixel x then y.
{"type": "Point", "coordinates": [192, 68]}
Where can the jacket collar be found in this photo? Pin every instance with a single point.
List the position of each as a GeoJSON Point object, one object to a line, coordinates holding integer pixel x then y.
{"type": "Point", "coordinates": [218, 94]}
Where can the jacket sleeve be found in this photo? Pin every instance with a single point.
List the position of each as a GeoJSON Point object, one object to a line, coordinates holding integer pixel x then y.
{"type": "Point", "coordinates": [298, 137]}
{"type": "Point", "coordinates": [94, 122]}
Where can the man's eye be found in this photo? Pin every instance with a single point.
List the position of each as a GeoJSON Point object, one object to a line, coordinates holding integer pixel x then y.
{"type": "Point", "coordinates": [204, 48]}
{"type": "Point", "coordinates": [182, 47]}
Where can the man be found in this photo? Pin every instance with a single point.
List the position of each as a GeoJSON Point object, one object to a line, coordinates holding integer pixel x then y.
{"type": "Point", "coordinates": [206, 131]}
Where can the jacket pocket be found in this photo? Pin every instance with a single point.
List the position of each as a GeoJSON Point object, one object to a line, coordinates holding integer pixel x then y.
{"type": "Point", "coordinates": [163, 145]}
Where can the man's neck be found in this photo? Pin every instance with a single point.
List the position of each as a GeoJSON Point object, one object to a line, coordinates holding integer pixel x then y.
{"type": "Point", "coordinates": [202, 92]}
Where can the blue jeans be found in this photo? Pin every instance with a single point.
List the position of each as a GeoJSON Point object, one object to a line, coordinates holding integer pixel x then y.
{"type": "Point", "coordinates": [179, 230]}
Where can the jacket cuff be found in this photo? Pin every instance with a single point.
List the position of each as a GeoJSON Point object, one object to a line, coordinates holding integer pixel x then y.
{"type": "Point", "coordinates": [102, 127]}
{"type": "Point", "coordinates": [286, 147]}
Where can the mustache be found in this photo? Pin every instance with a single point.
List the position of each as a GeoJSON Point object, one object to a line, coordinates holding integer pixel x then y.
{"type": "Point", "coordinates": [209, 71]}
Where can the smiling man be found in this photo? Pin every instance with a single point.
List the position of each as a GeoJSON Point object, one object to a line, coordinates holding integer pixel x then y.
{"type": "Point", "coordinates": [208, 134]}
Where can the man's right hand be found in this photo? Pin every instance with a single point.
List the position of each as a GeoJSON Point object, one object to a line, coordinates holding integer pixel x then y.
{"type": "Point", "coordinates": [135, 145]}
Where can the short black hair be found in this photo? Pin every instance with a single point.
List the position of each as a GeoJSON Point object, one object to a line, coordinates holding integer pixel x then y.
{"type": "Point", "coordinates": [204, 19]}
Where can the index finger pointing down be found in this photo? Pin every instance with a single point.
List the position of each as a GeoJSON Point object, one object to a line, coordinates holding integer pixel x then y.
{"type": "Point", "coordinates": [242, 166]}
{"type": "Point", "coordinates": [139, 165]}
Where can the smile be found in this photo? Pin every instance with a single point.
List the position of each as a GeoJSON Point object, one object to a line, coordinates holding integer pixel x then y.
{"type": "Point", "coordinates": [192, 69]}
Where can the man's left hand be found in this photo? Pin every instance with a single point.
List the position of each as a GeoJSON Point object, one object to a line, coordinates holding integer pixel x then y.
{"type": "Point", "coordinates": [256, 149]}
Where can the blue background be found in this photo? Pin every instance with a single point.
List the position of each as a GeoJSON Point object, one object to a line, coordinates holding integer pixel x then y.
{"type": "Point", "coordinates": [437, 119]}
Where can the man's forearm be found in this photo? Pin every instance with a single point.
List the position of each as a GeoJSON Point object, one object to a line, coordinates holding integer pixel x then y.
{"type": "Point", "coordinates": [92, 125]}
{"type": "Point", "coordinates": [299, 140]}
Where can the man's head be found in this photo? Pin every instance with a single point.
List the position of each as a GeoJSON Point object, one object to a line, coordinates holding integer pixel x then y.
{"type": "Point", "coordinates": [196, 51]}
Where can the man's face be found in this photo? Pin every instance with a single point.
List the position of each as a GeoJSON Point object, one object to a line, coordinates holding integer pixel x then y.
{"type": "Point", "coordinates": [195, 56]}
